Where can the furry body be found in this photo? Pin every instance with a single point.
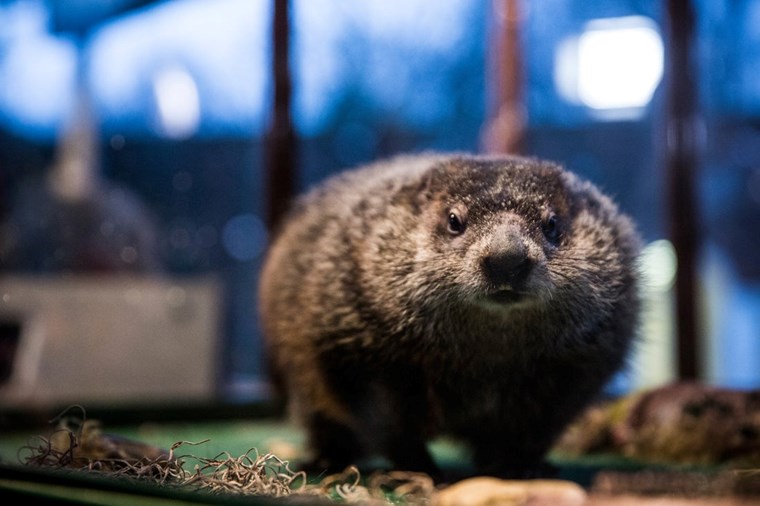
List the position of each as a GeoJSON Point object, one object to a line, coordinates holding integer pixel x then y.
{"type": "Point", "coordinates": [486, 298]}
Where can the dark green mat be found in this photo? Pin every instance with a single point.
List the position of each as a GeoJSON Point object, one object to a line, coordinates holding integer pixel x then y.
{"type": "Point", "coordinates": [235, 437]}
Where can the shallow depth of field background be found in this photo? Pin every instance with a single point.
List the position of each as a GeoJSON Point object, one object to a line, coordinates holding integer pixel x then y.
{"type": "Point", "coordinates": [169, 103]}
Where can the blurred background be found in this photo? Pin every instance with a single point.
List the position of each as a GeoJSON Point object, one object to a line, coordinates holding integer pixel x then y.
{"type": "Point", "coordinates": [147, 148]}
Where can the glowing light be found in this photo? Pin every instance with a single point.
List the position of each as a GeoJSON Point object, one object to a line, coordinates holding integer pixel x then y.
{"type": "Point", "coordinates": [658, 261]}
{"type": "Point", "coordinates": [177, 101]}
{"type": "Point", "coordinates": [37, 84]}
{"type": "Point", "coordinates": [615, 64]}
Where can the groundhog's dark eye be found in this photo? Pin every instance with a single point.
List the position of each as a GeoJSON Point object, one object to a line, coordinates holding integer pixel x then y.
{"type": "Point", "coordinates": [456, 223]}
{"type": "Point", "coordinates": [550, 229]}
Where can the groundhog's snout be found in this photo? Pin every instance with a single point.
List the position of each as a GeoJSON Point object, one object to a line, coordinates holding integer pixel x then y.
{"type": "Point", "coordinates": [506, 263]}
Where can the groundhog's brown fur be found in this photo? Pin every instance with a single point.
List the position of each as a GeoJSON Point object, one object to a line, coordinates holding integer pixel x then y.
{"type": "Point", "coordinates": [487, 298]}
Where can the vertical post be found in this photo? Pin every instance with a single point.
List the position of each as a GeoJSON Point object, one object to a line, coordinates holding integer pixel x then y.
{"type": "Point", "coordinates": [682, 141]}
{"type": "Point", "coordinates": [280, 143]}
{"type": "Point", "coordinates": [505, 130]}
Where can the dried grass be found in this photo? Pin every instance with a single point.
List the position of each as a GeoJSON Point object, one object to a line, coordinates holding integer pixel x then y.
{"type": "Point", "coordinates": [78, 443]}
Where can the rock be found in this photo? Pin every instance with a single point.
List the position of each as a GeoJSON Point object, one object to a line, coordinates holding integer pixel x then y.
{"type": "Point", "coordinates": [484, 491]}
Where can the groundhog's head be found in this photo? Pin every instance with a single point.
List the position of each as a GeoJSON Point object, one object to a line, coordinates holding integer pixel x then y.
{"type": "Point", "coordinates": [505, 233]}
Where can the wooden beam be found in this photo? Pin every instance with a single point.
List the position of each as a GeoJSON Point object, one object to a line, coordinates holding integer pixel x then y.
{"type": "Point", "coordinates": [683, 129]}
{"type": "Point", "coordinates": [505, 130]}
{"type": "Point", "coordinates": [280, 144]}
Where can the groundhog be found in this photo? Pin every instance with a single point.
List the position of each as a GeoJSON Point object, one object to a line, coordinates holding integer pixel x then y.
{"type": "Point", "coordinates": [487, 298]}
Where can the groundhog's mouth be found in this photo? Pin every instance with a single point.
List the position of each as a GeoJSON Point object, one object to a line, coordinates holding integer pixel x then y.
{"type": "Point", "coordinates": [505, 296]}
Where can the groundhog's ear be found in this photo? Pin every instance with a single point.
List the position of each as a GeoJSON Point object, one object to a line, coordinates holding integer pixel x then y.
{"type": "Point", "coordinates": [428, 187]}
{"type": "Point", "coordinates": [585, 195]}
{"type": "Point", "coordinates": [423, 189]}
{"type": "Point", "coordinates": [423, 193]}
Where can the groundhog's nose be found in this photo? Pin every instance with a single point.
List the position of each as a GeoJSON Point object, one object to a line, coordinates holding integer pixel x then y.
{"type": "Point", "coordinates": [507, 264]}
